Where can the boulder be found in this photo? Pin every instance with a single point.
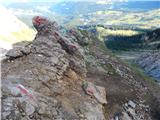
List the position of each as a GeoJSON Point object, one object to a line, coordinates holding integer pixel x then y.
{"type": "Point", "coordinates": [95, 91]}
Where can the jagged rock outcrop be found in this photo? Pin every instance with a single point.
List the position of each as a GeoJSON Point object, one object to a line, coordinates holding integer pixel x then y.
{"type": "Point", "coordinates": [42, 80]}
{"type": "Point", "coordinates": [58, 77]}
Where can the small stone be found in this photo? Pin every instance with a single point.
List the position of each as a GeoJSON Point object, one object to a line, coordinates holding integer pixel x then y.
{"type": "Point", "coordinates": [44, 78]}
{"type": "Point", "coordinates": [55, 102]}
{"type": "Point", "coordinates": [125, 116]}
{"type": "Point", "coordinates": [23, 113]}
{"type": "Point", "coordinates": [57, 89]}
{"type": "Point", "coordinates": [42, 109]}
{"type": "Point", "coordinates": [31, 116]}
{"type": "Point", "coordinates": [55, 60]}
{"type": "Point", "coordinates": [81, 115]}
{"type": "Point", "coordinates": [126, 105]}
{"type": "Point", "coordinates": [59, 119]}
{"type": "Point", "coordinates": [131, 104]}
{"type": "Point", "coordinates": [116, 118]}
{"type": "Point", "coordinates": [54, 111]}
{"type": "Point", "coordinates": [131, 112]}
{"type": "Point", "coordinates": [29, 109]}
{"type": "Point", "coordinates": [71, 74]}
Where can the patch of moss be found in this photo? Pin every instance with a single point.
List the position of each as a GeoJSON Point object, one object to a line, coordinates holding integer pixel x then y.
{"type": "Point", "coordinates": [109, 68]}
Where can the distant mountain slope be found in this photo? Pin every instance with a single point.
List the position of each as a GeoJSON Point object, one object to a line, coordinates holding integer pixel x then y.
{"type": "Point", "coordinates": [142, 14]}
{"type": "Point", "coordinates": [12, 29]}
{"type": "Point", "coordinates": [149, 41]}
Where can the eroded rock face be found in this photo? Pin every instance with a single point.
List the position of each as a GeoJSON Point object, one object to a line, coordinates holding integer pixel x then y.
{"type": "Point", "coordinates": [33, 78]}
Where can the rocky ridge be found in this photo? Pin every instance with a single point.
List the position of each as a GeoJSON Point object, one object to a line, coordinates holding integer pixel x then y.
{"type": "Point", "coordinates": [64, 75]}
{"type": "Point", "coordinates": [42, 80]}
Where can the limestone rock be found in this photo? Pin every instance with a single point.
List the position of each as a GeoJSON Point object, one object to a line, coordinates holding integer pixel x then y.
{"type": "Point", "coordinates": [132, 104]}
{"type": "Point", "coordinates": [97, 91]}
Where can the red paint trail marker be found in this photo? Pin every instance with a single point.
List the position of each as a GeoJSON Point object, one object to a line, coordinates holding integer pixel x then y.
{"type": "Point", "coordinates": [23, 90]}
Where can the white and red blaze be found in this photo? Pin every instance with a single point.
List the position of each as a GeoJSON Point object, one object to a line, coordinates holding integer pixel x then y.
{"type": "Point", "coordinates": [72, 47]}
{"type": "Point", "coordinates": [24, 91]}
{"type": "Point", "coordinates": [90, 92]}
{"type": "Point", "coordinates": [37, 20]}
